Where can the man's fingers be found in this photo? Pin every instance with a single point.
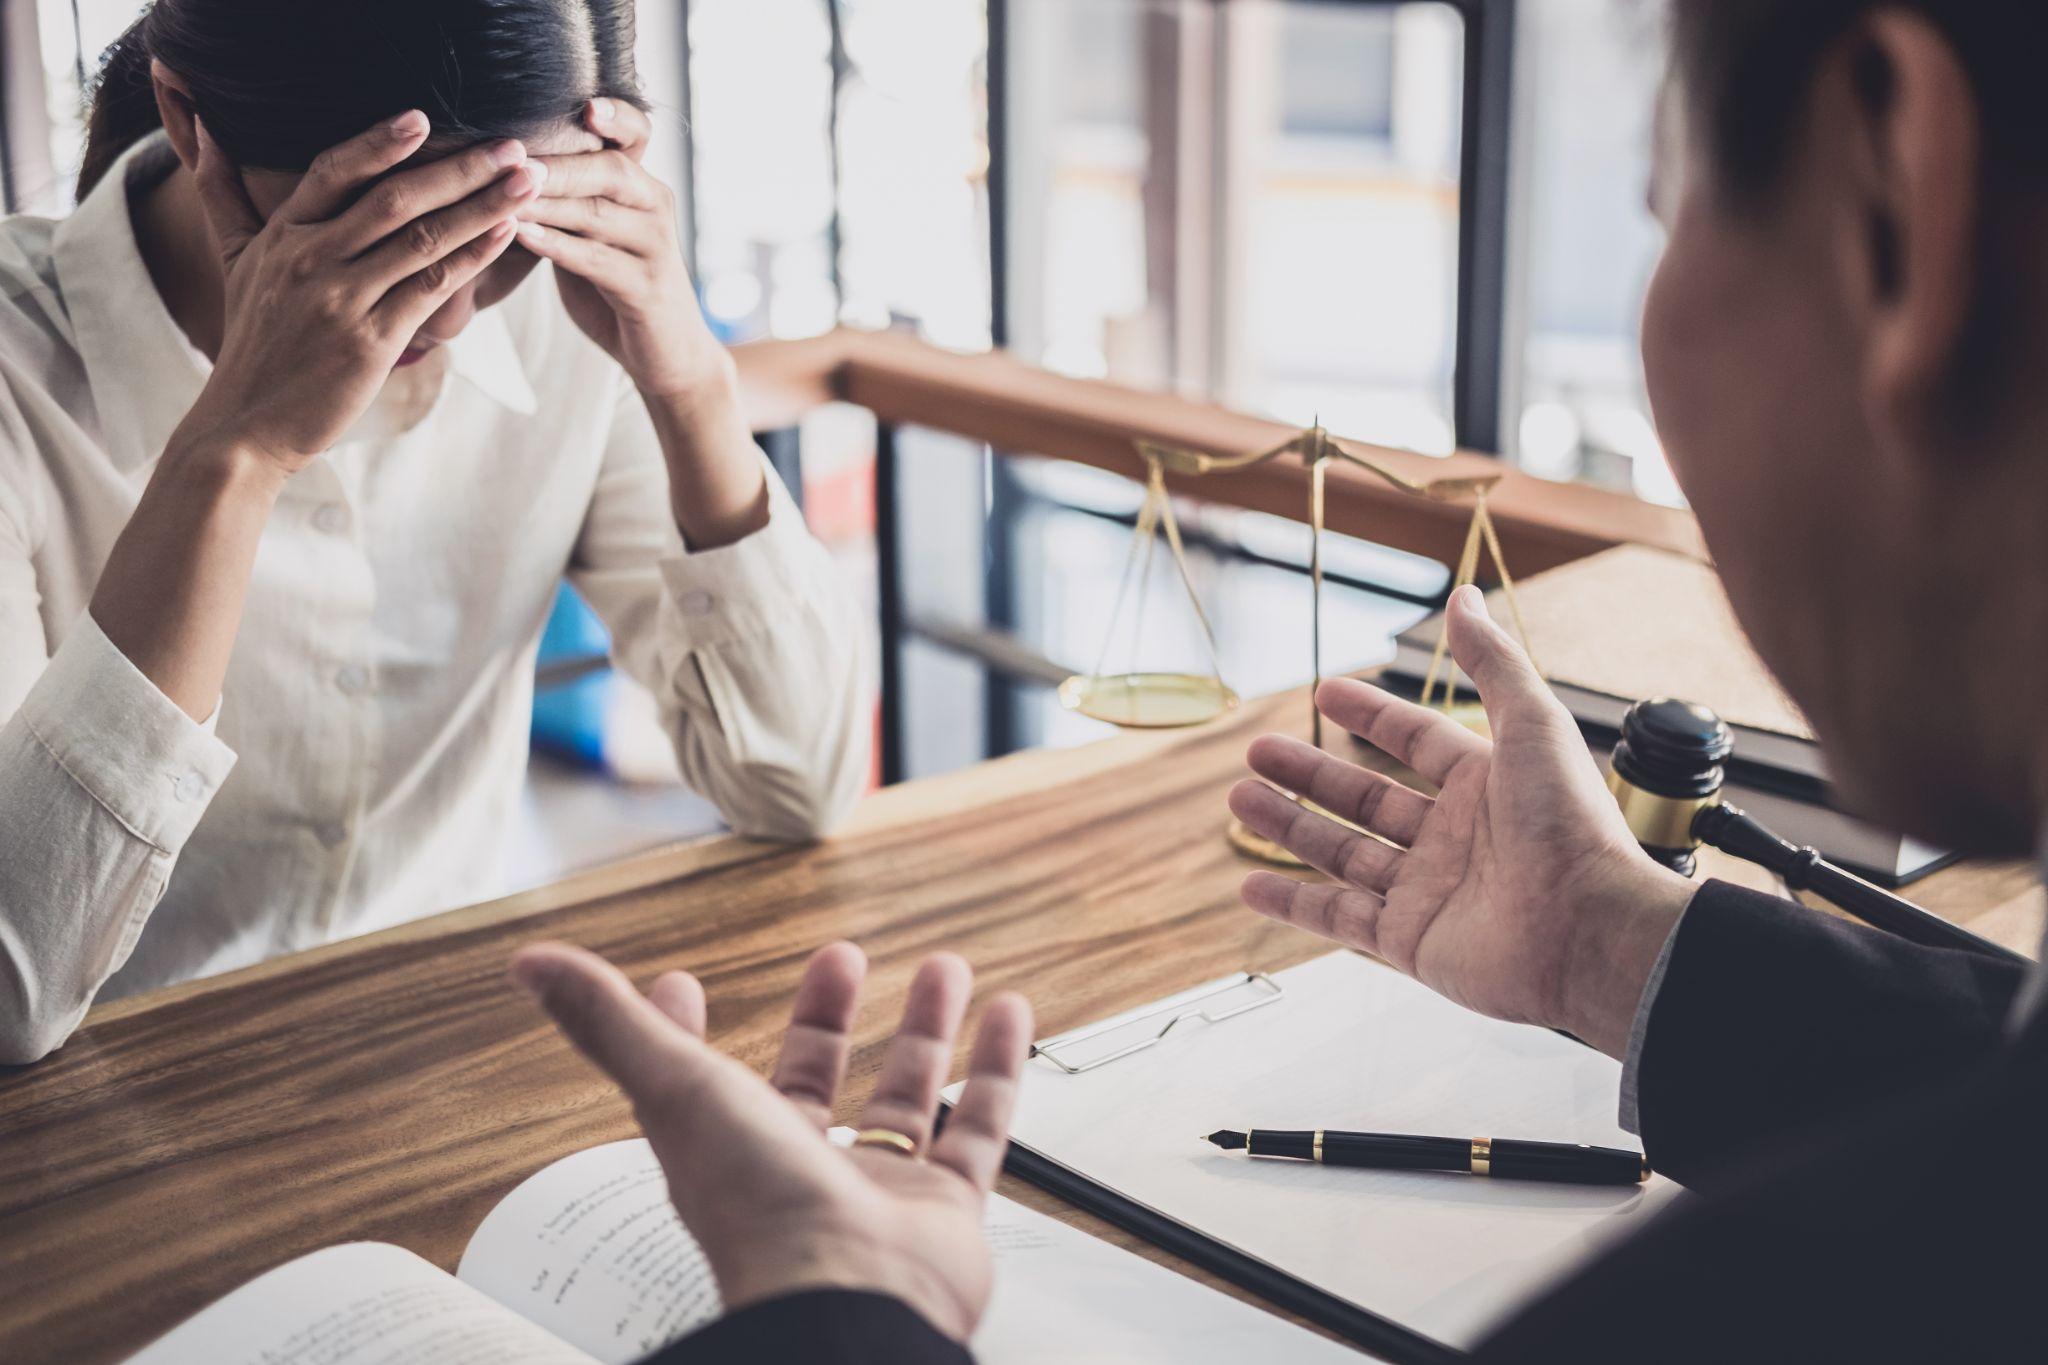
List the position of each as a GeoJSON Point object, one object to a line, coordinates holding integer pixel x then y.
{"type": "Point", "coordinates": [416, 299]}
{"type": "Point", "coordinates": [1493, 659]}
{"type": "Point", "coordinates": [338, 173]}
{"type": "Point", "coordinates": [1367, 799]}
{"type": "Point", "coordinates": [615, 1026]}
{"type": "Point", "coordinates": [620, 123]}
{"type": "Point", "coordinates": [1428, 741]}
{"type": "Point", "coordinates": [1323, 844]}
{"type": "Point", "coordinates": [814, 1051]}
{"type": "Point", "coordinates": [978, 1130]}
{"type": "Point", "coordinates": [438, 235]}
{"type": "Point", "coordinates": [680, 996]}
{"type": "Point", "coordinates": [907, 1097]}
{"type": "Point", "coordinates": [401, 201]}
{"type": "Point", "coordinates": [1343, 916]}
{"type": "Point", "coordinates": [233, 218]}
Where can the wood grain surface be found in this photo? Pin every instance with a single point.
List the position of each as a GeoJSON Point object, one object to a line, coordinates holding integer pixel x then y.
{"type": "Point", "coordinates": [1021, 409]}
{"type": "Point", "coordinates": [393, 1088]}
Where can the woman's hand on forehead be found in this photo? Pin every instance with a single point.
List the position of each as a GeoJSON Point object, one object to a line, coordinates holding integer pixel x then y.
{"type": "Point", "coordinates": [582, 161]}
{"type": "Point", "coordinates": [610, 229]}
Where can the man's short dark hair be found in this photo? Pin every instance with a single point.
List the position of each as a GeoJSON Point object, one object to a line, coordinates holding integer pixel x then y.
{"type": "Point", "coordinates": [1747, 67]}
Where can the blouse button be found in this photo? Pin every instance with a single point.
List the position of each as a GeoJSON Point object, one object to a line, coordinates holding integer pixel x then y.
{"type": "Point", "coordinates": [190, 787]}
{"type": "Point", "coordinates": [697, 604]}
{"type": "Point", "coordinates": [353, 680]}
{"type": "Point", "coordinates": [332, 518]}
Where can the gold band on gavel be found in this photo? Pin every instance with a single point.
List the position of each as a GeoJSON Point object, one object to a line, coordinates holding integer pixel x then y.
{"type": "Point", "coordinates": [1482, 1156]}
{"type": "Point", "coordinates": [1659, 821]}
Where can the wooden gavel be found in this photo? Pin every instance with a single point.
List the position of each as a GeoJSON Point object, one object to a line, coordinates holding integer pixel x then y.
{"type": "Point", "coordinates": [1667, 776]}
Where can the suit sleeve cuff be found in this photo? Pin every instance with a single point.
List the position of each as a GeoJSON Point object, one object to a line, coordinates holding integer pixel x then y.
{"type": "Point", "coordinates": [1639, 1030]}
{"type": "Point", "coordinates": [126, 744]}
{"type": "Point", "coordinates": [824, 1327]}
{"type": "Point", "coordinates": [748, 588]}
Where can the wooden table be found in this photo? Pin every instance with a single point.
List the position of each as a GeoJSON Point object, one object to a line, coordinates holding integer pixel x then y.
{"type": "Point", "coordinates": [394, 1087]}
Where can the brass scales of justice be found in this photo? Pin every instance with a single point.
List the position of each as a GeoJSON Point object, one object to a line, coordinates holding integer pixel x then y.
{"type": "Point", "coordinates": [1157, 701]}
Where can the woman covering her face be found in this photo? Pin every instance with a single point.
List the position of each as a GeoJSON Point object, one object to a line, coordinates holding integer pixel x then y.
{"type": "Point", "coordinates": [297, 441]}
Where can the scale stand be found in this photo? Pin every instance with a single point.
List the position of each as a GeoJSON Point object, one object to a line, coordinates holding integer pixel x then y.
{"type": "Point", "coordinates": [1150, 701]}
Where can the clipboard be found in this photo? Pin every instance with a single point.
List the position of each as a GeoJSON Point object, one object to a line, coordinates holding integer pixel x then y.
{"type": "Point", "coordinates": [1123, 1036]}
{"type": "Point", "coordinates": [1414, 1267]}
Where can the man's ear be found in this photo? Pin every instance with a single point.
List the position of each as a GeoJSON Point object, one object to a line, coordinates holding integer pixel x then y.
{"type": "Point", "coordinates": [180, 116]}
{"type": "Point", "coordinates": [1917, 156]}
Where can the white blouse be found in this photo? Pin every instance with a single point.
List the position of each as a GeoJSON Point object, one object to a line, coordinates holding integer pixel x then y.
{"type": "Point", "coordinates": [366, 760]}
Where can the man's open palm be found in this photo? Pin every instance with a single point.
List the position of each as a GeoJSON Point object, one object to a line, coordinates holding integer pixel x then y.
{"type": "Point", "coordinates": [1495, 891]}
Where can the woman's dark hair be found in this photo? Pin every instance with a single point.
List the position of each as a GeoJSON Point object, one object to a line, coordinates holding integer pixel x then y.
{"type": "Point", "coordinates": [277, 82]}
{"type": "Point", "coordinates": [1746, 67]}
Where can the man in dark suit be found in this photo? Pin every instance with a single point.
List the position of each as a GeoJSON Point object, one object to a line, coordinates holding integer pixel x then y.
{"type": "Point", "coordinates": [1844, 346]}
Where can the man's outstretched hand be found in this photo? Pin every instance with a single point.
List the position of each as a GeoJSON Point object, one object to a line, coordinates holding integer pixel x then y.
{"type": "Point", "coordinates": [776, 1207]}
{"type": "Point", "coordinates": [1516, 891]}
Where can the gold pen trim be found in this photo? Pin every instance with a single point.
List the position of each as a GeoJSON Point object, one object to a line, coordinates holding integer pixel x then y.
{"type": "Point", "coordinates": [1482, 1156]}
{"type": "Point", "coordinates": [1317, 1146]}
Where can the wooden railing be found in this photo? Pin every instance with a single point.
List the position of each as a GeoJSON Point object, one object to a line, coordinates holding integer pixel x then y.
{"type": "Point", "coordinates": [1023, 410]}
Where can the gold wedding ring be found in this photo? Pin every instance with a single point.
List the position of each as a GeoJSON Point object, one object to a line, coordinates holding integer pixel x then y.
{"type": "Point", "coordinates": [888, 1139]}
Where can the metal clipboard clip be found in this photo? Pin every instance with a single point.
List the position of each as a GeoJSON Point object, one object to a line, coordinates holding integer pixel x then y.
{"type": "Point", "coordinates": [1147, 1026]}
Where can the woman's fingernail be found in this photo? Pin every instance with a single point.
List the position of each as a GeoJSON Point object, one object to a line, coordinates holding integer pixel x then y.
{"type": "Point", "coordinates": [508, 153]}
{"type": "Point", "coordinates": [531, 232]}
{"type": "Point", "coordinates": [411, 123]}
{"type": "Point", "coordinates": [604, 109]}
{"type": "Point", "coordinates": [539, 171]}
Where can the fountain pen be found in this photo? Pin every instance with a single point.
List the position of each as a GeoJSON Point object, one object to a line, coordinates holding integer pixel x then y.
{"type": "Point", "coordinates": [1500, 1159]}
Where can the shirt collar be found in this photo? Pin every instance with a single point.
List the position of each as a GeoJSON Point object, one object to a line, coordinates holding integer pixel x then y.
{"type": "Point", "coordinates": [484, 355]}
{"type": "Point", "coordinates": [145, 374]}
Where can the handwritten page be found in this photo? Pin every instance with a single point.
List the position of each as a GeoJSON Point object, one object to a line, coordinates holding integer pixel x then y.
{"type": "Point", "coordinates": [591, 1249]}
{"type": "Point", "coordinates": [359, 1304]}
{"type": "Point", "coordinates": [1353, 1044]}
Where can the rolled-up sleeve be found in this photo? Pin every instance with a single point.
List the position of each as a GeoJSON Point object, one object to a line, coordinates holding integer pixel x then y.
{"type": "Point", "coordinates": [752, 650]}
{"type": "Point", "coordinates": [102, 781]}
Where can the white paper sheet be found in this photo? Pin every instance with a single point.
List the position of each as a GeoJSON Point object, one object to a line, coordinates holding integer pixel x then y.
{"type": "Point", "coordinates": [1353, 1044]}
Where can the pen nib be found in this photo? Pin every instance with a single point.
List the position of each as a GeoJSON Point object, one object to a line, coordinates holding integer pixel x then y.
{"type": "Point", "coordinates": [1226, 1139]}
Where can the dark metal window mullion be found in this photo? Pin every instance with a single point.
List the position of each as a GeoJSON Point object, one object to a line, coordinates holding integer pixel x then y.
{"type": "Point", "coordinates": [889, 591]}
{"type": "Point", "coordinates": [1483, 197]}
{"type": "Point", "coordinates": [1000, 597]}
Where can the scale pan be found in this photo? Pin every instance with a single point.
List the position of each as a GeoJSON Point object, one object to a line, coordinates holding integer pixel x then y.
{"type": "Point", "coordinates": [1148, 701]}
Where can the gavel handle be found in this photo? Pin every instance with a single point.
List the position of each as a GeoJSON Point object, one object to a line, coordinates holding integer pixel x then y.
{"type": "Point", "coordinates": [1730, 830]}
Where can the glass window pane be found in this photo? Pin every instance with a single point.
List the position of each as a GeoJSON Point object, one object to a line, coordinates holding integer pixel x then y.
{"type": "Point", "coordinates": [1257, 202]}
{"type": "Point", "coordinates": [1590, 70]}
{"type": "Point", "coordinates": [761, 96]}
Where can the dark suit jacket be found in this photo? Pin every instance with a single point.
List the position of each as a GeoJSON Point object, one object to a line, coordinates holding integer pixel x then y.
{"type": "Point", "coordinates": [1863, 1132]}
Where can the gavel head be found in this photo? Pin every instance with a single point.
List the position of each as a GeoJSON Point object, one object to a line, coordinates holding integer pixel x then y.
{"type": "Point", "coordinates": [1667, 769]}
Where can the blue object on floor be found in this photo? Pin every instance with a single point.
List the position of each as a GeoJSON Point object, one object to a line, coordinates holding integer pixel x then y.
{"type": "Point", "coordinates": [569, 719]}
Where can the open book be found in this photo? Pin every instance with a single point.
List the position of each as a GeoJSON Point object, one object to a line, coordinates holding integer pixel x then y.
{"type": "Point", "coordinates": [587, 1262]}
